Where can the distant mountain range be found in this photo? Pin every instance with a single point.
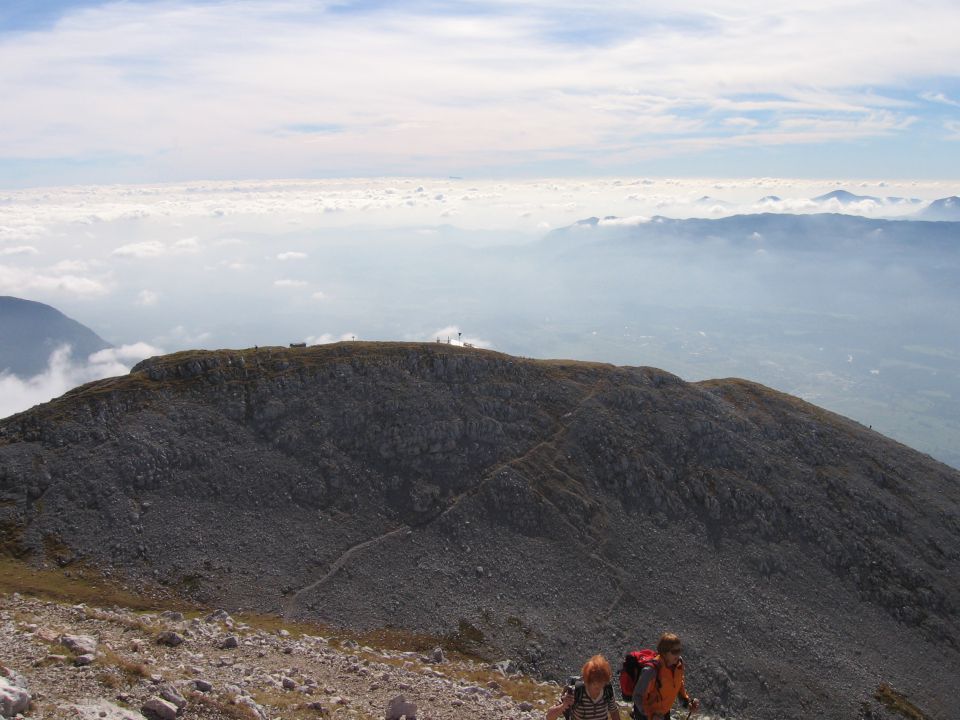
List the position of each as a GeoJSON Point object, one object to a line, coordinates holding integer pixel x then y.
{"type": "Point", "coordinates": [845, 198]}
{"type": "Point", "coordinates": [31, 331]}
{"type": "Point", "coordinates": [944, 209]}
{"type": "Point", "coordinates": [856, 313]}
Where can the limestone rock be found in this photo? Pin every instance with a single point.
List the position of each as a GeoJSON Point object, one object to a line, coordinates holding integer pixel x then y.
{"type": "Point", "coordinates": [14, 698]}
{"type": "Point", "coordinates": [79, 644]}
{"type": "Point", "coordinates": [170, 693]}
{"type": "Point", "coordinates": [101, 710]}
{"type": "Point", "coordinates": [170, 638]}
{"type": "Point", "coordinates": [400, 707]}
{"type": "Point", "coordinates": [159, 709]}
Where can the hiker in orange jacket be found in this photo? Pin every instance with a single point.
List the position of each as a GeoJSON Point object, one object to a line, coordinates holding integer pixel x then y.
{"type": "Point", "coordinates": [660, 684]}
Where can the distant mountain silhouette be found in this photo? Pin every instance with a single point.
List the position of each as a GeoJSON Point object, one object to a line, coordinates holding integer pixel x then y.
{"type": "Point", "coordinates": [944, 209]}
{"type": "Point", "coordinates": [845, 197]}
{"type": "Point", "coordinates": [839, 234]}
{"type": "Point", "coordinates": [31, 331]}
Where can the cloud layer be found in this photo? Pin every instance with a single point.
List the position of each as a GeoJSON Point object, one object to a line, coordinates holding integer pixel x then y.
{"type": "Point", "coordinates": [64, 372]}
{"type": "Point", "coordinates": [167, 90]}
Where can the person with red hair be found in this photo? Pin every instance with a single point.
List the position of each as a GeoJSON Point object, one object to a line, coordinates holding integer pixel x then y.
{"type": "Point", "coordinates": [591, 697]}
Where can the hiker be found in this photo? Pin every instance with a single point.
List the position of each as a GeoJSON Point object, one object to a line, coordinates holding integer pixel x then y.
{"type": "Point", "coordinates": [590, 697]}
{"type": "Point", "coordinates": [661, 682]}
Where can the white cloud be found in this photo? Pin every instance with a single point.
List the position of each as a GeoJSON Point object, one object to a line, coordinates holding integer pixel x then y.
{"type": "Point", "coordinates": [456, 91]}
{"type": "Point", "coordinates": [327, 338]}
{"type": "Point", "coordinates": [939, 97]}
{"type": "Point", "coordinates": [453, 334]}
{"type": "Point", "coordinates": [292, 255]}
{"type": "Point", "coordinates": [149, 249]}
{"type": "Point", "coordinates": [625, 221]}
{"type": "Point", "coordinates": [71, 266]}
{"type": "Point", "coordinates": [19, 250]}
{"type": "Point", "coordinates": [20, 231]}
{"type": "Point", "coordinates": [64, 373]}
{"type": "Point", "coordinates": [182, 337]}
{"type": "Point", "coordinates": [288, 283]}
{"type": "Point", "coordinates": [186, 246]}
{"type": "Point", "coordinates": [18, 281]}
{"type": "Point", "coordinates": [145, 249]}
{"type": "Point", "coordinates": [132, 353]}
{"type": "Point", "coordinates": [319, 295]}
{"type": "Point", "coordinates": [147, 298]}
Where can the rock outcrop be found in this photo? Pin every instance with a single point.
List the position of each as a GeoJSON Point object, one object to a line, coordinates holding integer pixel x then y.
{"type": "Point", "coordinates": [536, 510]}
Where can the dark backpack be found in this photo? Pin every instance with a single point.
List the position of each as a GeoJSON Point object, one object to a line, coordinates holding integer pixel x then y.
{"type": "Point", "coordinates": [579, 688]}
{"type": "Point", "coordinates": [633, 664]}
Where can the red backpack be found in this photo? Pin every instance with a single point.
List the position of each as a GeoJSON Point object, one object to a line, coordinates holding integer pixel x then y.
{"type": "Point", "coordinates": [633, 664]}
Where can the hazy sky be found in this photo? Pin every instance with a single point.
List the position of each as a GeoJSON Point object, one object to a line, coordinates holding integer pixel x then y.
{"type": "Point", "coordinates": [144, 92]}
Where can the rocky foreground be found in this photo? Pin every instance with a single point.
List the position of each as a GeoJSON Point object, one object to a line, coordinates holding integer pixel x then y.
{"type": "Point", "coordinates": [76, 661]}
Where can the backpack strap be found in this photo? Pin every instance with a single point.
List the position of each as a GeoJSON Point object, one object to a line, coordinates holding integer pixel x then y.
{"type": "Point", "coordinates": [578, 690]}
{"type": "Point", "coordinates": [653, 664]}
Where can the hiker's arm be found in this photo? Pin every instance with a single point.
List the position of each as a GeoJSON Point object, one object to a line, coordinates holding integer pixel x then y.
{"type": "Point", "coordinates": [613, 710]}
{"type": "Point", "coordinates": [688, 702]}
{"type": "Point", "coordinates": [643, 682]}
{"type": "Point", "coordinates": [560, 708]}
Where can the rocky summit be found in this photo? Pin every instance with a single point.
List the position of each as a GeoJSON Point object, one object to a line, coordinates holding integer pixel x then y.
{"type": "Point", "coordinates": [523, 510]}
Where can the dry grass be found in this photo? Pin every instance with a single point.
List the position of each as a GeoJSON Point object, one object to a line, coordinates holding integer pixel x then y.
{"type": "Point", "coordinates": [131, 671]}
{"type": "Point", "coordinates": [220, 707]}
{"type": "Point", "coordinates": [132, 622]}
{"type": "Point", "coordinates": [898, 703]}
{"type": "Point", "coordinates": [119, 671]}
{"type": "Point", "coordinates": [78, 584]}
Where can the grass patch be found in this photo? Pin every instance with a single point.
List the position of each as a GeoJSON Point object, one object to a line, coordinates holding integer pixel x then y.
{"type": "Point", "coordinates": [82, 585]}
{"type": "Point", "coordinates": [120, 671]}
{"type": "Point", "coordinates": [203, 705]}
{"type": "Point", "coordinates": [289, 704]}
{"type": "Point", "coordinates": [898, 703]}
{"type": "Point", "coordinates": [466, 638]}
{"type": "Point", "coordinates": [11, 540]}
{"type": "Point", "coordinates": [148, 627]}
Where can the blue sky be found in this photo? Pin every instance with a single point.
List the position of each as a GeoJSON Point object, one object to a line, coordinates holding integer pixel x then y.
{"type": "Point", "coordinates": [162, 91]}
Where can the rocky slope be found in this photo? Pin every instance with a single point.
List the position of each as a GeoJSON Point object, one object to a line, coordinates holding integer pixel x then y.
{"type": "Point", "coordinates": [75, 661]}
{"type": "Point", "coordinates": [535, 510]}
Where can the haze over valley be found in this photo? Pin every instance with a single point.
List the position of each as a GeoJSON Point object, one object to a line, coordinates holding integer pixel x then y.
{"type": "Point", "coordinates": [845, 300]}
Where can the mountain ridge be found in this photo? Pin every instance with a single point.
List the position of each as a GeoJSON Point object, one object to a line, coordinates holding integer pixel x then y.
{"type": "Point", "coordinates": [453, 490]}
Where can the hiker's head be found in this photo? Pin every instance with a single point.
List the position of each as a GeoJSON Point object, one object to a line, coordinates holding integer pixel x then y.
{"type": "Point", "coordinates": [670, 648]}
{"type": "Point", "coordinates": [596, 673]}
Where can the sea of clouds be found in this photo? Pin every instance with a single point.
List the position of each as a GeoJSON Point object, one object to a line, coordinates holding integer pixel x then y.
{"type": "Point", "coordinates": [236, 264]}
